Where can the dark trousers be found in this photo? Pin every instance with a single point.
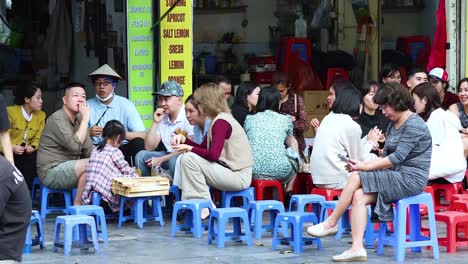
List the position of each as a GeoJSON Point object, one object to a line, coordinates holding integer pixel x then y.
{"type": "Point", "coordinates": [130, 149]}
{"type": "Point", "coordinates": [26, 163]}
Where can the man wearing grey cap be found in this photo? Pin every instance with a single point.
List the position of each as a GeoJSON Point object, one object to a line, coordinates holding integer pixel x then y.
{"type": "Point", "coordinates": [168, 119]}
{"type": "Point", "coordinates": [108, 106]}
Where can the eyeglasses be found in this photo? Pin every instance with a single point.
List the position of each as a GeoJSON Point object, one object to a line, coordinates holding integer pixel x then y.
{"type": "Point", "coordinates": [99, 83]}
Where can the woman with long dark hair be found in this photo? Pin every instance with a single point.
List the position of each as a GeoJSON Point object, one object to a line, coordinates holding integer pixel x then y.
{"type": "Point", "coordinates": [245, 101]}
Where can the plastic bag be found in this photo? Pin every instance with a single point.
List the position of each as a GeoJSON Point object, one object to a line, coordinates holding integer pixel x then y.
{"type": "Point", "coordinates": [321, 17]}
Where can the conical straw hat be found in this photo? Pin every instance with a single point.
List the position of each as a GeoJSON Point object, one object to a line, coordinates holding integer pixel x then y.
{"type": "Point", "coordinates": [105, 70]}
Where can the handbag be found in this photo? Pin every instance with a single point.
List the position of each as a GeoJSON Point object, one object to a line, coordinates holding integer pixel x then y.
{"type": "Point", "coordinates": [293, 158]}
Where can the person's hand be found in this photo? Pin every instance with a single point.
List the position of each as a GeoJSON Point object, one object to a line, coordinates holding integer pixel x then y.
{"type": "Point", "coordinates": [293, 118]}
{"type": "Point", "coordinates": [181, 148]}
{"type": "Point", "coordinates": [177, 140]}
{"type": "Point", "coordinates": [155, 162]}
{"type": "Point", "coordinates": [29, 149]}
{"type": "Point", "coordinates": [95, 131]}
{"type": "Point", "coordinates": [464, 130]}
{"type": "Point", "coordinates": [355, 165]}
{"type": "Point", "coordinates": [374, 135]}
{"type": "Point", "coordinates": [158, 115]}
{"type": "Point", "coordinates": [85, 112]}
{"type": "Point", "coordinates": [315, 123]}
{"type": "Point", "coordinates": [382, 138]}
{"type": "Point", "coordinates": [18, 150]}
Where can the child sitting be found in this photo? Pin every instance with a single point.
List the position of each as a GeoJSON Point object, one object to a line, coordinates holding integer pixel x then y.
{"type": "Point", "coordinates": [105, 163]}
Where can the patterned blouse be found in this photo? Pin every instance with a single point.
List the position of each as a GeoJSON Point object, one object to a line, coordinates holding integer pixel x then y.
{"type": "Point", "coordinates": [102, 167]}
{"type": "Point", "coordinates": [267, 142]}
{"type": "Point", "coordinates": [298, 110]}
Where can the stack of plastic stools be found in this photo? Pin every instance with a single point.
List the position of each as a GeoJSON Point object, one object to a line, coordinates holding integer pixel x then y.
{"type": "Point", "coordinates": [46, 209]}
{"type": "Point", "coordinates": [39, 238]}
{"type": "Point", "coordinates": [193, 222]}
{"type": "Point", "coordinates": [296, 221]}
{"type": "Point", "coordinates": [301, 200]}
{"type": "Point", "coordinates": [458, 214]}
{"type": "Point", "coordinates": [261, 185]}
{"type": "Point", "coordinates": [139, 212]}
{"type": "Point", "coordinates": [446, 190]}
{"type": "Point", "coordinates": [222, 216]}
{"type": "Point", "coordinates": [416, 240]}
{"type": "Point", "coordinates": [344, 226]}
{"type": "Point", "coordinates": [98, 213]}
{"type": "Point", "coordinates": [70, 221]}
{"type": "Point", "coordinates": [247, 197]}
{"type": "Point", "coordinates": [256, 209]}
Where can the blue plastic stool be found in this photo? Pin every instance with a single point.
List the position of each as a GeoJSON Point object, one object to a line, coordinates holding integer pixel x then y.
{"type": "Point", "coordinates": [68, 222]}
{"type": "Point", "coordinates": [256, 209]}
{"type": "Point", "coordinates": [398, 241]}
{"type": "Point", "coordinates": [45, 209]}
{"type": "Point", "coordinates": [370, 234]}
{"type": "Point", "coordinates": [39, 238]}
{"type": "Point", "coordinates": [344, 226]}
{"type": "Point", "coordinates": [175, 191]}
{"type": "Point", "coordinates": [222, 216]}
{"type": "Point", "coordinates": [296, 221]}
{"type": "Point", "coordinates": [96, 198]}
{"type": "Point", "coordinates": [35, 184]}
{"type": "Point", "coordinates": [139, 212]}
{"type": "Point", "coordinates": [193, 222]}
{"type": "Point", "coordinates": [247, 196]}
{"type": "Point", "coordinates": [100, 218]}
{"type": "Point", "coordinates": [73, 192]}
{"type": "Point", "coordinates": [301, 200]}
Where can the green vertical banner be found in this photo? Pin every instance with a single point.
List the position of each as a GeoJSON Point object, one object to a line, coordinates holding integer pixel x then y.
{"type": "Point", "coordinates": [140, 57]}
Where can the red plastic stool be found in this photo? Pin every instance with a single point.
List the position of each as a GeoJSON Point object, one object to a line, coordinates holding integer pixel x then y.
{"type": "Point", "coordinates": [333, 74]}
{"type": "Point", "coordinates": [458, 214]}
{"type": "Point", "coordinates": [261, 185]}
{"type": "Point", "coordinates": [303, 183]}
{"type": "Point", "coordinates": [446, 190]}
{"type": "Point", "coordinates": [463, 197]}
{"type": "Point", "coordinates": [329, 194]}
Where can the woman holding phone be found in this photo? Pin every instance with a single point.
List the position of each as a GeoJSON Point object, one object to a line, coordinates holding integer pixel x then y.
{"type": "Point", "coordinates": [401, 172]}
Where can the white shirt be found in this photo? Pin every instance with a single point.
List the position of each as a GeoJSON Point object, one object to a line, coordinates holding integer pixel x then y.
{"type": "Point", "coordinates": [166, 128]}
{"type": "Point", "coordinates": [338, 134]}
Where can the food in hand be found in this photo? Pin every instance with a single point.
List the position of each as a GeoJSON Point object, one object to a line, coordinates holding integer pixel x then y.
{"type": "Point", "coordinates": [179, 131]}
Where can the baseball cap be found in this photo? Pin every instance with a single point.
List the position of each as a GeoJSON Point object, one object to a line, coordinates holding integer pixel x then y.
{"type": "Point", "coordinates": [170, 88]}
{"type": "Point", "coordinates": [439, 74]}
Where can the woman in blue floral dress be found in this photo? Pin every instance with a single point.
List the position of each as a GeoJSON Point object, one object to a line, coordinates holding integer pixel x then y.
{"type": "Point", "coordinates": [269, 133]}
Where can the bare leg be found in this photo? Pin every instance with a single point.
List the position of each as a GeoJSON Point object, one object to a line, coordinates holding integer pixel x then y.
{"type": "Point", "coordinates": [359, 217]}
{"type": "Point", "coordinates": [346, 197]}
{"type": "Point", "coordinates": [290, 185]}
{"type": "Point", "coordinates": [80, 172]}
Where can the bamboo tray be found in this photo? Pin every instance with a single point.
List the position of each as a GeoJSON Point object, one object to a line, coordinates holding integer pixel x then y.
{"type": "Point", "coordinates": [141, 186]}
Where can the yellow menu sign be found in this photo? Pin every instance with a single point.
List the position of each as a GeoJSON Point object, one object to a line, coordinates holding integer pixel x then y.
{"type": "Point", "coordinates": [176, 43]}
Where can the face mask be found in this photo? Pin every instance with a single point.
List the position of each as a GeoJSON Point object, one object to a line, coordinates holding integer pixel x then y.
{"type": "Point", "coordinates": [105, 99]}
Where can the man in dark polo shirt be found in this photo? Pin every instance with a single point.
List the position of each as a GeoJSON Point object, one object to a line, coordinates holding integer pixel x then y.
{"type": "Point", "coordinates": [15, 203]}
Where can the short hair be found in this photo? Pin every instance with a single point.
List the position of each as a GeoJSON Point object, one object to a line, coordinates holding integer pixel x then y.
{"type": "Point", "coordinates": [367, 86]}
{"type": "Point", "coordinates": [387, 71]}
{"type": "Point", "coordinates": [413, 72]}
{"type": "Point", "coordinates": [279, 77]}
{"type": "Point", "coordinates": [395, 95]}
{"type": "Point", "coordinates": [339, 84]}
{"type": "Point", "coordinates": [244, 89]}
{"type": "Point", "coordinates": [268, 99]}
{"type": "Point", "coordinates": [24, 89]}
{"type": "Point", "coordinates": [191, 99]}
{"type": "Point", "coordinates": [460, 83]}
{"type": "Point", "coordinates": [348, 101]}
{"type": "Point", "coordinates": [113, 128]}
{"type": "Point", "coordinates": [212, 100]}
{"type": "Point", "coordinates": [221, 78]}
{"type": "Point", "coordinates": [70, 85]}
{"type": "Point", "coordinates": [428, 91]}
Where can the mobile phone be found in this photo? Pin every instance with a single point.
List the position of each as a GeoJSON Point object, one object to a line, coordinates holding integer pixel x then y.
{"type": "Point", "coordinates": [343, 158]}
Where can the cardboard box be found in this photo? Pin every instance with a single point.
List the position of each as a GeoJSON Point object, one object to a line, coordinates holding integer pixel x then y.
{"type": "Point", "coordinates": [311, 133]}
{"type": "Point", "coordinates": [315, 102]}
{"type": "Point", "coordinates": [140, 186]}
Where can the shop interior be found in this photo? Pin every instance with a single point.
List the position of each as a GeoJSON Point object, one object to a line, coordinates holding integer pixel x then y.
{"type": "Point", "coordinates": [229, 37]}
